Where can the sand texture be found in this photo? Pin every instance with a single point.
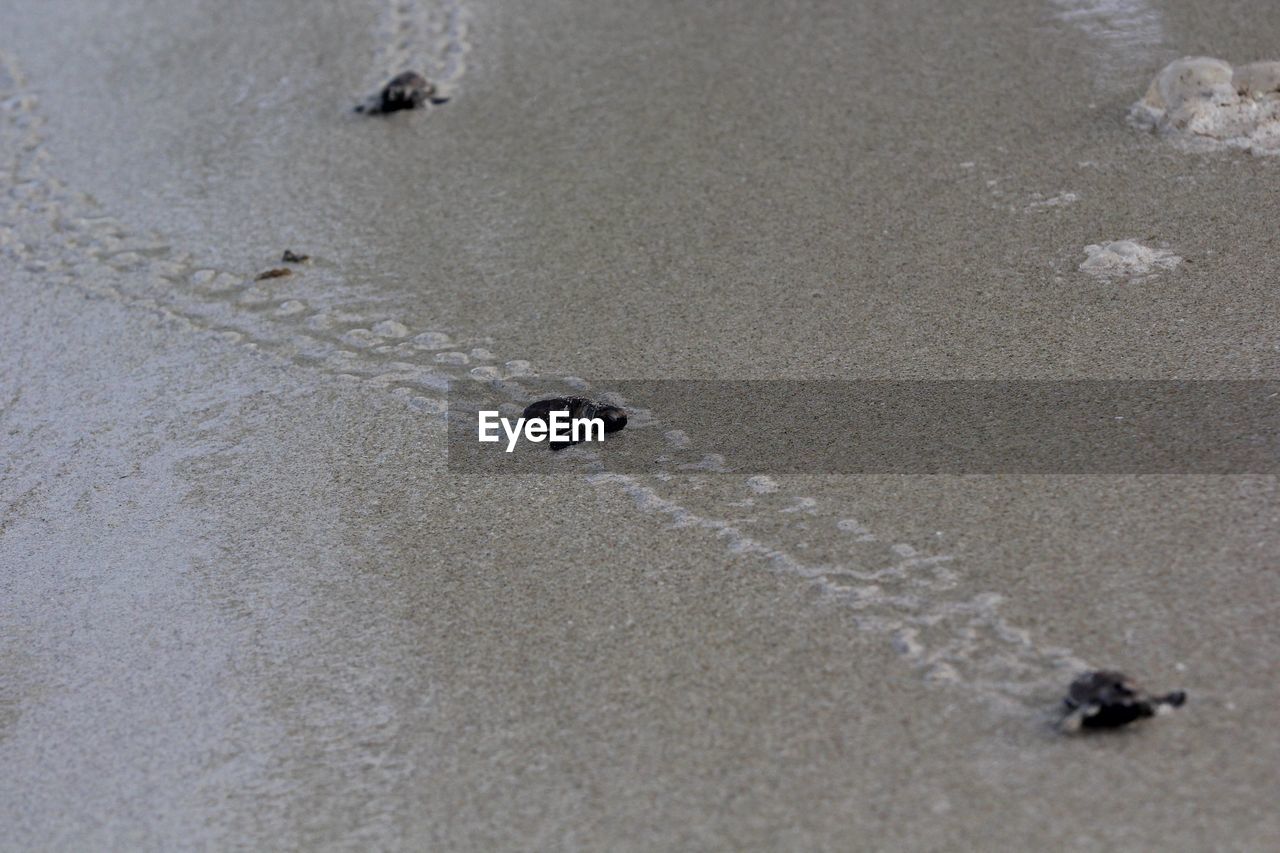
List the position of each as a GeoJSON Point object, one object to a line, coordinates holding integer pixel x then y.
{"type": "Point", "coordinates": [245, 603]}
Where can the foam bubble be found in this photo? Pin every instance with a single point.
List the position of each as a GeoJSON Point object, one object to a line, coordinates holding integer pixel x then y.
{"type": "Point", "coordinates": [851, 525]}
{"type": "Point", "coordinates": [1202, 103]}
{"type": "Point", "coordinates": [391, 329]}
{"type": "Point", "coordinates": [326, 320]}
{"type": "Point", "coordinates": [361, 338]}
{"type": "Point", "coordinates": [1126, 258]}
{"type": "Point", "coordinates": [1059, 200]}
{"type": "Point", "coordinates": [518, 367]}
{"type": "Point", "coordinates": [290, 308]}
{"type": "Point", "coordinates": [213, 282]}
{"type": "Point", "coordinates": [433, 340]}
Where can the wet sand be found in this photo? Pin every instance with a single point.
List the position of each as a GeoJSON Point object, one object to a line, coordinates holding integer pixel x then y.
{"type": "Point", "coordinates": [246, 603]}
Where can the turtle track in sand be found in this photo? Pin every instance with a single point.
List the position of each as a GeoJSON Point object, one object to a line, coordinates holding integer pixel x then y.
{"type": "Point", "coordinates": [933, 613]}
{"type": "Point", "coordinates": [430, 38]}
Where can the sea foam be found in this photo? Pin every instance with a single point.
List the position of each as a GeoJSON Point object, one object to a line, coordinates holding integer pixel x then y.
{"type": "Point", "coordinates": [1205, 104]}
{"type": "Point", "coordinates": [1126, 258]}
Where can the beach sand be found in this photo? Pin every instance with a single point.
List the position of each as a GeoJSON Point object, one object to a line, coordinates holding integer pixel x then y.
{"type": "Point", "coordinates": [245, 602]}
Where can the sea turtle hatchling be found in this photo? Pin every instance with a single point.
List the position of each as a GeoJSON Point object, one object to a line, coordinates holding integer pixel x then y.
{"type": "Point", "coordinates": [405, 91]}
{"type": "Point", "coordinates": [613, 417]}
{"type": "Point", "coordinates": [1105, 699]}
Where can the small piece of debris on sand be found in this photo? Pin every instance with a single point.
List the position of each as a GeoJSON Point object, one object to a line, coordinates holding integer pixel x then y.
{"type": "Point", "coordinates": [406, 91]}
{"type": "Point", "coordinates": [278, 272]}
{"type": "Point", "coordinates": [289, 257]}
{"type": "Point", "coordinates": [1106, 699]}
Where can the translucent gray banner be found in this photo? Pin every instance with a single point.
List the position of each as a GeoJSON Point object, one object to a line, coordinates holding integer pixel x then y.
{"type": "Point", "coordinates": [891, 427]}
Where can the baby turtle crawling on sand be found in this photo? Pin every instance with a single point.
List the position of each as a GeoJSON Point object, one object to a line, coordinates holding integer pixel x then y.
{"type": "Point", "coordinates": [578, 407]}
{"type": "Point", "coordinates": [405, 91]}
{"type": "Point", "coordinates": [1106, 699]}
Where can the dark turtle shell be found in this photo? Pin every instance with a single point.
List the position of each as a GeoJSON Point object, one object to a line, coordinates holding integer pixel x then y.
{"type": "Point", "coordinates": [577, 407]}
{"type": "Point", "coordinates": [405, 91]}
{"type": "Point", "coordinates": [1106, 699]}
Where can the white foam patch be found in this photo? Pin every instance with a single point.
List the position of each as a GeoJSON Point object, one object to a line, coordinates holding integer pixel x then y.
{"type": "Point", "coordinates": [360, 338]}
{"type": "Point", "coordinates": [391, 329]}
{"type": "Point", "coordinates": [1125, 32]}
{"type": "Point", "coordinates": [290, 307]}
{"type": "Point", "coordinates": [518, 367]}
{"type": "Point", "coordinates": [762, 485]}
{"type": "Point", "coordinates": [1059, 200]}
{"type": "Point", "coordinates": [1126, 258]}
{"type": "Point", "coordinates": [213, 282]}
{"type": "Point", "coordinates": [433, 340]}
{"type": "Point", "coordinates": [1204, 104]}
